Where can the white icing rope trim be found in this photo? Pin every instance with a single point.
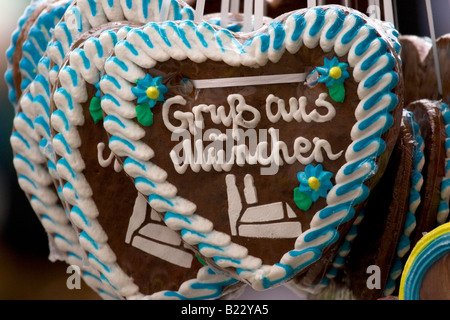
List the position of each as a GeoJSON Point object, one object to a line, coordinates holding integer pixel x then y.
{"type": "Point", "coordinates": [433, 39]}
{"type": "Point", "coordinates": [249, 81]}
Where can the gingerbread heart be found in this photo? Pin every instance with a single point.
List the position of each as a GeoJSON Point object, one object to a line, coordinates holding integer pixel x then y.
{"type": "Point", "coordinates": [385, 218]}
{"type": "Point", "coordinates": [433, 120]}
{"type": "Point", "coordinates": [419, 68]}
{"type": "Point", "coordinates": [299, 119]}
{"type": "Point", "coordinates": [37, 175]}
{"type": "Point", "coordinates": [115, 242]}
{"type": "Point", "coordinates": [33, 162]}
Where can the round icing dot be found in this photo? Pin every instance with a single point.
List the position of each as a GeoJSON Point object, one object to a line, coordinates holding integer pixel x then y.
{"type": "Point", "coordinates": [152, 93]}
{"type": "Point", "coordinates": [314, 183]}
{"type": "Point", "coordinates": [335, 72]}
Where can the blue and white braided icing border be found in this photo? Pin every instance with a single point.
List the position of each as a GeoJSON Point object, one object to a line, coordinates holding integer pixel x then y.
{"type": "Point", "coordinates": [9, 74]}
{"type": "Point", "coordinates": [443, 211]}
{"type": "Point", "coordinates": [404, 244]}
{"type": "Point", "coordinates": [36, 176]}
{"type": "Point", "coordinates": [373, 63]}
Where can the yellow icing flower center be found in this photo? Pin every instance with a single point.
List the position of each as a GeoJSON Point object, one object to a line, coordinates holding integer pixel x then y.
{"type": "Point", "coordinates": [335, 73]}
{"type": "Point", "coordinates": [152, 93]}
{"type": "Point", "coordinates": [314, 183]}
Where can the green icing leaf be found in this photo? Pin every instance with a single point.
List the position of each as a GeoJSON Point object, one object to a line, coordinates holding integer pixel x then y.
{"type": "Point", "coordinates": [144, 114]}
{"type": "Point", "coordinates": [95, 109]}
{"type": "Point", "coordinates": [302, 200]}
{"type": "Point", "coordinates": [337, 92]}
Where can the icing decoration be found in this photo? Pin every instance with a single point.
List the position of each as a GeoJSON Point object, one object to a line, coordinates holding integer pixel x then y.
{"type": "Point", "coordinates": [372, 63]}
{"type": "Point", "coordinates": [443, 211]}
{"type": "Point", "coordinates": [148, 91]}
{"type": "Point", "coordinates": [314, 183]}
{"type": "Point", "coordinates": [95, 108]}
{"type": "Point", "coordinates": [429, 249]}
{"type": "Point", "coordinates": [333, 74]}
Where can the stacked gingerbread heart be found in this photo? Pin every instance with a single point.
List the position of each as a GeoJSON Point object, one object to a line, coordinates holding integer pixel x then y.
{"type": "Point", "coordinates": [171, 154]}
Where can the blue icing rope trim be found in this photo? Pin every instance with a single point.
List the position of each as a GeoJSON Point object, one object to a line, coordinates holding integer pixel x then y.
{"type": "Point", "coordinates": [300, 24]}
{"type": "Point", "coordinates": [318, 24]}
{"type": "Point", "coordinates": [279, 36]}
{"type": "Point", "coordinates": [337, 25]}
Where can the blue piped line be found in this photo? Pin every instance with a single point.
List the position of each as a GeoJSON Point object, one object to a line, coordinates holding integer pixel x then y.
{"type": "Point", "coordinates": [23, 177]}
{"type": "Point", "coordinates": [21, 138]}
{"type": "Point", "coordinates": [144, 181]}
{"type": "Point", "coordinates": [123, 141]}
{"type": "Point", "coordinates": [60, 137]}
{"type": "Point", "coordinates": [84, 235]}
{"type": "Point", "coordinates": [153, 197]}
{"type": "Point", "coordinates": [63, 162]}
{"type": "Point", "coordinates": [104, 266]}
{"type": "Point", "coordinates": [171, 215]}
{"type": "Point", "coordinates": [131, 161]}
{"type": "Point", "coordinates": [63, 117]}
{"type": "Point", "coordinates": [111, 98]}
{"type": "Point", "coordinates": [22, 158]}
{"type": "Point", "coordinates": [115, 120]}
{"type": "Point", "coordinates": [58, 236]}
{"type": "Point", "coordinates": [78, 212]}
{"type": "Point", "coordinates": [112, 80]}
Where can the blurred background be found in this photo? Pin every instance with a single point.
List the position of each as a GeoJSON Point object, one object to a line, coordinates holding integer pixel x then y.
{"type": "Point", "coordinates": [25, 270]}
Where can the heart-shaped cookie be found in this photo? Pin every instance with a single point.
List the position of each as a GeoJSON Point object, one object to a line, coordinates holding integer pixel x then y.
{"type": "Point", "coordinates": [433, 119]}
{"type": "Point", "coordinates": [123, 236]}
{"type": "Point", "coordinates": [317, 90]}
{"type": "Point", "coordinates": [419, 68]}
{"type": "Point", "coordinates": [383, 224]}
{"type": "Point", "coordinates": [33, 162]}
{"type": "Point", "coordinates": [29, 42]}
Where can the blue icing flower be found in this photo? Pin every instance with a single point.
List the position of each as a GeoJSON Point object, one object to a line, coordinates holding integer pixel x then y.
{"type": "Point", "coordinates": [333, 72]}
{"type": "Point", "coordinates": [315, 182]}
{"type": "Point", "coordinates": [149, 90]}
